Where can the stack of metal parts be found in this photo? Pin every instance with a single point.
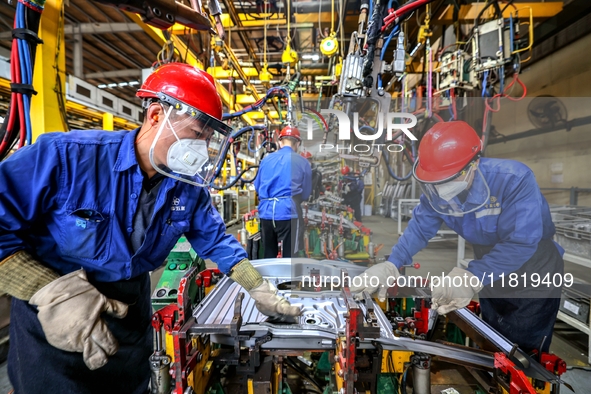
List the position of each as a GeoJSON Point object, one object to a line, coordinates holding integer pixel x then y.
{"type": "Point", "coordinates": [573, 229]}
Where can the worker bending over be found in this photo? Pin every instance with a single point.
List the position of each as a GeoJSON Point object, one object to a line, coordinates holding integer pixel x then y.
{"type": "Point", "coordinates": [497, 206]}
{"type": "Point", "coordinates": [84, 217]}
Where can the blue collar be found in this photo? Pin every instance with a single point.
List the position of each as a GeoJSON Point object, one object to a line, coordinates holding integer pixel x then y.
{"type": "Point", "coordinates": [126, 157]}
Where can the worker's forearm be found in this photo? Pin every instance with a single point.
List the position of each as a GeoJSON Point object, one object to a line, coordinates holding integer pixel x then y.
{"type": "Point", "coordinates": [21, 275]}
{"type": "Point", "coordinates": [246, 275]}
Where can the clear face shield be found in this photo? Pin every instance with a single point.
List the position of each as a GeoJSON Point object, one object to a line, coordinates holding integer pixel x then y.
{"type": "Point", "coordinates": [463, 193]}
{"type": "Point", "coordinates": [189, 145]}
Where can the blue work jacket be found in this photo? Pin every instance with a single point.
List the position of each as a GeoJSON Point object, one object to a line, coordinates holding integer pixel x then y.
{"type": "Point", "coordinates": [70, 198]}
{"type": "Point", "coordinates": [514, 220]}
{"type": "Point", "coordinates": [282, 175]}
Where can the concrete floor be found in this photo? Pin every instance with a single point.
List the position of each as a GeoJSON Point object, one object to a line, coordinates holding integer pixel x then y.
{"type": "Point", "coordinates": [441, 256]}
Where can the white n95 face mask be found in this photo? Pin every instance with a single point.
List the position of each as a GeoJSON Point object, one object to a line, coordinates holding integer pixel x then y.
{"type": "Point", "coordinates": [449, 190]}
{"type": "Point", "coordinates": [187, 156]}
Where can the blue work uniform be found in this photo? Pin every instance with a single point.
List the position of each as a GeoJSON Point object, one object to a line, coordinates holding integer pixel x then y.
{"type": "Point", "coordinates": [70, 199]}
{"type": "Point", "coordinates": [283, 181]}
{"type": "Point", "coordinates": [511, 233]}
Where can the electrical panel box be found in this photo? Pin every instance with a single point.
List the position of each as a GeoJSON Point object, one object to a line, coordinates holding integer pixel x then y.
{"type": "Point", "coordinates": [491, 45]}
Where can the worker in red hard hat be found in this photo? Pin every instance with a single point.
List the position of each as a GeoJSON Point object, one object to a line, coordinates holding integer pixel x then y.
{"type": "Point", "coordinates": [283, 182]}
{"type": "Point", "coordinates": [96, 213]}
{"type": "Point", "coordinates": [497, 206]}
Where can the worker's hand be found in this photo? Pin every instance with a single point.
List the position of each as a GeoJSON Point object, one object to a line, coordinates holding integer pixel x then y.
{"type": "Point", "coordinates": [271, 304]}
{"type": "Point", "coordinates": [70, 314]}
{"type": "Point", "coordinates": [378, 278]}
{"type": "Point", "coordinates": [262, 291]}
{"type": "Point", "coordinates": [454, 291]}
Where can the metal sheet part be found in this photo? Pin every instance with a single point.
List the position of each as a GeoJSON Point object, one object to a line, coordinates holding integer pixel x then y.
{"type": "Point", "coordinates": [323, 318]}
{"type": "Point", "coordinates": [321, 323]}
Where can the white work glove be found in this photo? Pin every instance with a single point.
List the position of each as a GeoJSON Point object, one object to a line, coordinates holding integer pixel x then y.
{"type": "Point", "coordinates": [377, 278]}
{"type": "Point", "coordinates": [262, 291]}
{"type": "Point", "coordinates": [70, 314]}
{"type": "Point", "coordinates": [270, 304]}
{"type": "Point", "coordinates": [445, 297]}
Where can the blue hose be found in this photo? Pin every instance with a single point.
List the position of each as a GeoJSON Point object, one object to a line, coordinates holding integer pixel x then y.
{"type": "Point", "coordinates": [26, 71]}
{"type": "Point", "coordinates": [393, 33]}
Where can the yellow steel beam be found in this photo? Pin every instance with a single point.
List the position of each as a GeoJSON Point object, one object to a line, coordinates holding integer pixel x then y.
{"type": "Point", "coordinates": [45, 110]}
{"type": "Point", "coordinates": [248, 20]}
{"type": "Point", "coordinates": [236, 64]}
{"type": "Point", "coordinates": [157, 35]}
{"type": "Point", "coordinates": [245, 99]}
{"type": "Point", "coordinates": [467, 14]}
{"type": "Point", "coordinates": [219, 72]}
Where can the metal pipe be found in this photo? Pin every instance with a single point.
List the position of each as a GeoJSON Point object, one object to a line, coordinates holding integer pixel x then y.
{"type": "Point", "coordinates": [421, 373]}
{"type": "Point", "coordinates": [534, 132]}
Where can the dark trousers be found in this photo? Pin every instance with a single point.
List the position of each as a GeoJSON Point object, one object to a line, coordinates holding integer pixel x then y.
{"type": "Point", "coordinates": [525, 314]}
{"type": "Point", "coordinates": [285, 231]}
{"type": "Point", "coordinates": [34, 366]}
{"type": "Point", "coordinates": [354, 201]}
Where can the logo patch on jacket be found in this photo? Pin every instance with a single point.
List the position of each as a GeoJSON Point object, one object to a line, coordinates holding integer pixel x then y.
{"type": "Point", "coordinates": [176, 205]}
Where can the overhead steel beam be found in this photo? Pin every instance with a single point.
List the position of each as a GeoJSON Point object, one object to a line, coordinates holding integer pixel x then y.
{"type": "Point", "coordinates": [131, 73]}
{"type": "Point", "coordinates": [90, 28]}
{"type": "Point", "coordinates": [101, 28]}
{"type": "Point", "coordinates": [242, 34]}
{"type": "Point", "coordinates": [271, 25]}
{"type": "Point", "coordinates": [467, 14]}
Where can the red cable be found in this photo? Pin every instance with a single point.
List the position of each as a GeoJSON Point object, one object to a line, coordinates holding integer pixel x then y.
{"type": "Point", "coordinates": [21, 109]}
{"type": "Point", "coordinates": [6, 142]}
{"type": "Point", "coordinates": [498, 97]}
{"type": "Point", "coordinates": [402, 10]}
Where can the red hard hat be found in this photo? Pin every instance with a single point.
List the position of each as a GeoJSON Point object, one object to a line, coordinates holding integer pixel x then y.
{"type": "Point", "coordinates": [306, 154]}
{"type": "Point", "coordinates": [290, 131]}
{"type": "Point", "coordinates": [445, 150]}
{"type": "Point", "coordinates": [185, 83]}
{"type": "Point", "coordinates": [345, 170]}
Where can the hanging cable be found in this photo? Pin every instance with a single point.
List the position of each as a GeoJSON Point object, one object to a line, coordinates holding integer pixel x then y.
{"type": "Point", "coordinates": [17, 126]}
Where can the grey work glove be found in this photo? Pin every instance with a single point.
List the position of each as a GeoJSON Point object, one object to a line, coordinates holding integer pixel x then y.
{"type": "Point", "coordinates": [70, 314]}
{"type": "Point", "coordinates": [378, 279]}
{"type": "Point", "coordinates": [262, 291]}
{"type": "Point", "coordinates": [447, 297]}
{"type": "Point", "coordinates": [271, 304]}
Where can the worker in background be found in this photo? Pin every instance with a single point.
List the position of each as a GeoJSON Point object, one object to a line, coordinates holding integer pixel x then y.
{"type": "Point", "coordinates": [95, 213]}
{"type": "Point", "coordinates": [497, 206]}
{"type": "Point", "coordinates": [284, 180]}
{"type": "Point", "coordinates": [353, 191]}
